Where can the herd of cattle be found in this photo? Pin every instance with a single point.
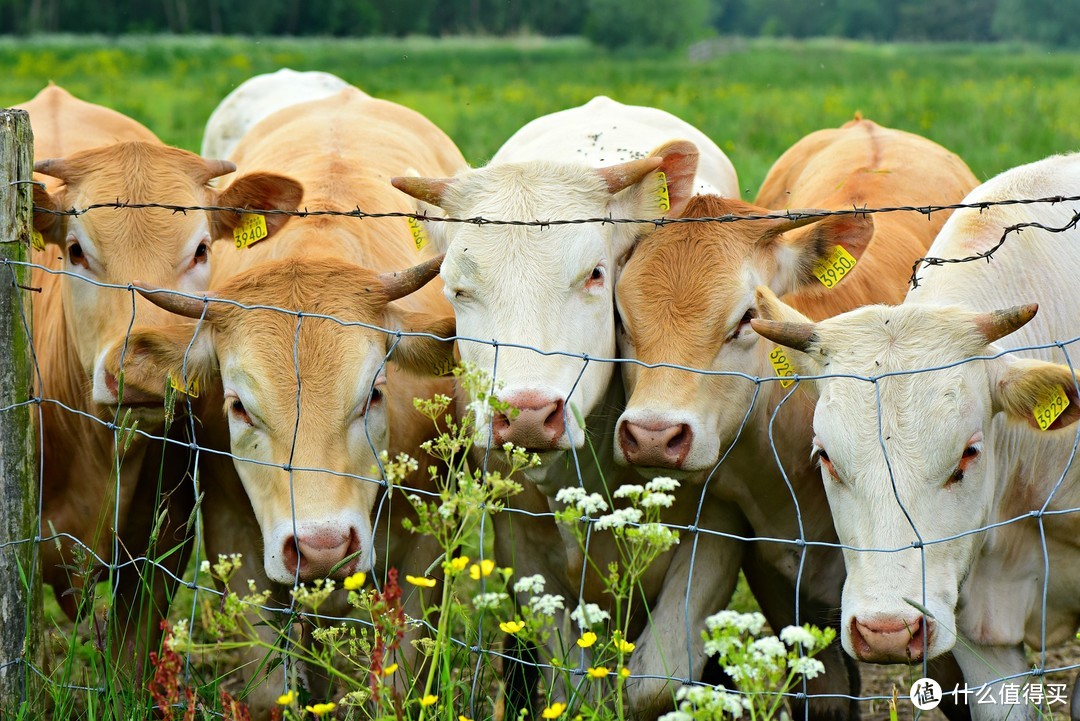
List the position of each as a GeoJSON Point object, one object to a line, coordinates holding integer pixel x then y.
{"type": "Point", "coordinates": [898, 473]}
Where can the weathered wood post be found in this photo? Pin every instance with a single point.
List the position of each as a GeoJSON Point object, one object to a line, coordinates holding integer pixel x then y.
{"type": "Point", "coordinates": [20, 573]}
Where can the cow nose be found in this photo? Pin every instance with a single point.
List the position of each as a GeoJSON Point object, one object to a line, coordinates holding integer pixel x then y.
{"type": "Point", "coordinates": [890, 640]}
{"type": "Point", "coordinates": [318, 552]}
{"type": "Point", "coordinates": [655, 446]}
{"type": "Point", "coordinates": [538, 424]}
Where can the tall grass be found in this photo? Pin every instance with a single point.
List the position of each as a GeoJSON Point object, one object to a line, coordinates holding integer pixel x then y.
{"type": "Point", "coordinates": [997, 106]}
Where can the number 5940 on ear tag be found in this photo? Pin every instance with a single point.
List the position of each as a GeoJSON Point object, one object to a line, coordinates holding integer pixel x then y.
{"type": "Point", "coordinates": [250, 231]}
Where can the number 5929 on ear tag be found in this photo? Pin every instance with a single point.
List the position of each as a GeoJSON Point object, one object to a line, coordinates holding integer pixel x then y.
{"type": "Point", "coordinates": [1050, 407]}
{"type": "Point", "coordinates": [782, 365]}
{"type": "Point", "coordinates": [250, 231]}
{"type": "Point", "coordinates": [663, 200]}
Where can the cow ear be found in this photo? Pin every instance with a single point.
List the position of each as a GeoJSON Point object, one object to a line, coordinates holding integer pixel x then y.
{"type": "Point", "coordinates": [256, 191]}
{"type": "Point", "coordinates": [153, 357]}
{"type": "Point", "coordinates": [421, 354]}
{"type": "Point", "coordinates": [1035, 391]}
{"type": "Point", "coordinates": [50, 225]}
{"type": "Point", "coordinates": [817, 254]}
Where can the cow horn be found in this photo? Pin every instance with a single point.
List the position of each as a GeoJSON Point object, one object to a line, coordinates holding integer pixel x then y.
{"type": "Point", "coordinates": [217, 168]}
{"type": "Point", "coordinates": [400, 283]}
{"type": "Point", "coordinates": [1000, 323]}
{"type": "Point", "coordinates": [622, 176]}
{"type": "Point", "coordinates": [799, 336]}
{"type": "Point", "coordinates": [175, 303]}
{"type": "Point", "coordinates": [53, 167]}
{"type": "Point", "coordinates": [429, 190]}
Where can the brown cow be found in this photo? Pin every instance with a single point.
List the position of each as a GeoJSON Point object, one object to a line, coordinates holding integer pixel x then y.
{"type": "Point", "coordinates": [88, 154]}
{"type": "Point", "coordinates": [687, 296]}
{"type": "Point", "coordinates": [352, 405]}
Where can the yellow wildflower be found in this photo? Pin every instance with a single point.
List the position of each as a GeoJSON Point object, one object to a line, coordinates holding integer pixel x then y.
{"type": "Point", "coordinates": [286, 699]}
{"type": "Point", "coordinates": [623, 646]}
{"type": "Point", "coordinates": [587, 639]}
{"type": "Point", "coordinates": [428, 700]}
{"type": "Point", "coordinates": [624, 672]}
{"type": "Point", "coordinates": [463, 718]}
{"type": "Point", "coordinates": [511, 627]}
{"type": "Point", "coordinates": [421, 581]}
{"type": "Point", "coordinates": [554, 711]}
{"type": "Point", "coordinates": [321, 709]}
{"type": "Point", "coordinates": [484, 569]}
{"type": "Point", "coordinates": [389, 670]}
{"type": "Point", "coordinates": [597, 672]}
{"type": "Point", "coordinates": [355, 582]}
{"type": "Point", "coordinates": [457, 565]}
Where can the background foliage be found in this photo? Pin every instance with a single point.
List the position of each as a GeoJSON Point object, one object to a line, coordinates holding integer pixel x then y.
{"type": "Point", "coordinates": [613, 23]}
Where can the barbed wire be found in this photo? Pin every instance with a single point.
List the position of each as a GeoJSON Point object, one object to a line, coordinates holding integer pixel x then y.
{"type": "Point", "coordinates": [801, 542]}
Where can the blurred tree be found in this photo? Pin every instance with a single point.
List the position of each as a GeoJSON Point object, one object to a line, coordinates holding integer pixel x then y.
{"type": "Point", "coordinates": [1042, 21]}
{"type": "Point", "coordinates": [644, 23]}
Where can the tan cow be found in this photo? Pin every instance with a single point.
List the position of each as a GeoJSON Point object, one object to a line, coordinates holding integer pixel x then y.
{"type": "Point", "coordinates": [88, 154]}
{"type": "Point", "coordinates": [352, 404]}
{"type": "Point", "coordinates": [687, 297]}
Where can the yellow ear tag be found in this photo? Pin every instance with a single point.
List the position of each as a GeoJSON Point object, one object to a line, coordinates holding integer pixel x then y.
{"type": "Point", "coordinates": [832, 269]}
{"type": "Point", "coordinates": [419, 235]}
{"type": "Point", "coordinates": [660, 192]}
{"type": "Point", "coordinates": [191, 389]}
{"type": "Point", "coordinates": [1050, 407]}
{"type": "Point", "coordinates": [781, 365]}
{"type": "Point", "coordinates": [37, 240]}
{"type": "Point", "coordinates": [250, 231]}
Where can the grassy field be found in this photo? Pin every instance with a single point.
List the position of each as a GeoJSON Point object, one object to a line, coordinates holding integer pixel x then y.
{"type": "Point", "coordinates": [996, 106]}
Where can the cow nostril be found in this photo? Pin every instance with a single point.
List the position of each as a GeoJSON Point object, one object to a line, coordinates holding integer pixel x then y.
{"type": "Point", "coordinates": [291, 555]}
{"type": "Point", "coordinates": [555, 421]}
{"type": "Point", "coordinates": [681, 440]}
{"type": "Point", "coordinates": [626, 438]}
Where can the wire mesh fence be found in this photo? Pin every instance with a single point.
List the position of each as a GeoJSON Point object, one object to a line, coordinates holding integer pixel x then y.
{"type": "Point", "coordinates": [188, 425]}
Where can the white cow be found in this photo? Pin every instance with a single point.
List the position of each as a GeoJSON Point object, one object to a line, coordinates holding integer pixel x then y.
{"type": "Point", "coordinates": [259, 97]}
{"type": "Point", "coordinates": [551, 287]}
{"type": "Point", "coordinates": [958, 449]}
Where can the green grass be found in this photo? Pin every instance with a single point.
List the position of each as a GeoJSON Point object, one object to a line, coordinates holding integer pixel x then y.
{"type": "Point", "coordinates": [997, 106]}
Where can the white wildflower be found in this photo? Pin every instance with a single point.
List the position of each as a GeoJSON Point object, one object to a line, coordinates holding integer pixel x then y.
{"type": "Point", "coordinates": [676, 716]}
{"type": "Point", "coordinates": [628, 491]}
{"type": "Point", "coordinates": [663, 483]}
{"type": "Point", "coordinates": [489, 601]}
{"type": "Point", "coordinates": [546, 605]}
{"type": "Point", "coordinates": [618, 518]}
{"type": "Point", "coordinates": [808, 667]}
{"type": "Point", "coordinates": [793, 635]}
{"type": "Point", "coordinates": [768, 647]}
{"type": "Point", "coordinates": [657, 500]}
{"type": "Point", "coordinates": [180, 640]}
{"type": "Point", "coordinates": [530, 584]}
{"type": "Point", "coordinates": [588, 614]}
{"type": "Point", "coordinates": [570, 495]}
{"type": "Point", "coordinates": [204, 567]}
{"type": "Point", "coordinates": [592, 503]}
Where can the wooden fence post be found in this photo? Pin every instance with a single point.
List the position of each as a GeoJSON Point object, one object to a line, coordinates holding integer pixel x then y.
{"type": "Point", "coordinates": [20, 572]}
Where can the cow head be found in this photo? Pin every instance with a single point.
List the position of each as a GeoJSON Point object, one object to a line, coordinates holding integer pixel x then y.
{"type": "Point", "coordinates": [549, 287]}
{"type": "Point", "coordinates": [686, 298]}
{"type": "Point", "coordinates": [163, 248]}
{"type": "Point", "coordinates": [910, 460]}
{"type": "Point", "coordinates": [305, 398]}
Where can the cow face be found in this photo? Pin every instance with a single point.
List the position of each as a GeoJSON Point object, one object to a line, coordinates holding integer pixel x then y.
{"type": "Point", "coordinates": [686, 298]}
{"type": "Point", "coordinates": [156, 246]}
{"type": "Point", "coordinates": [548, 287]}
{"type": "Point", "coordinates": [305, 399]}
{"type": "Point", "coordinates": [909, 463]}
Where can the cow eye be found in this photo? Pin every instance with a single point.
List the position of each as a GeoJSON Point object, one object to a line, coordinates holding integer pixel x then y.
{"type": "Point", "coordinates": [202, 254]}
{"type": "Point", "coordinates": [76, 255]}
{"type": "Point", "coordinates": [376, 396]}
{"type": "Point", "coordinates": [820, 458]}
{"type": "Point", "coordinates": [596, 278]}
{"type": "Point", "coordinates": [744, 323]}
{"type": "Point", "coordinates": [968, 457]}
{"type": "Point", "coordinates": [237, 410]}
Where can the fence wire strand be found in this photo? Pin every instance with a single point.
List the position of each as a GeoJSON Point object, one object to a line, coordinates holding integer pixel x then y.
{"type": "Point", "coordinates": [579, 468]}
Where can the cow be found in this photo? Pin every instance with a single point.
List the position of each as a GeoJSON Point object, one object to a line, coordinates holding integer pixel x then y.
{"type": "Point", "coordinates": [305, 430]}
{"type": "Point", "coordinates": [258, 97]}
{"type": "Point", "coordinates": [686, 298]}
{"type": "Point", "coordinates": [550, 287]}
{"type": "Point", "coordinates": [87, 154]}
{"type": "Point", "coordinates": [917, 466]}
